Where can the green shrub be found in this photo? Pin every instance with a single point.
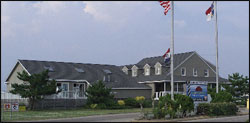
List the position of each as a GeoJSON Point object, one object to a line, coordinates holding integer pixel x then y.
{"type": "Point", "coordinates": [147, 103]}
{"type": "Point", "coordinates": [131, 102]}
{"type": "Point", "coordinates": [216, 109]}
{"type": "Point", "coordinates": [222, 96]}
{"type": "Point", "coordinates": [203, 108]}
{"type": "Point", "coordinates": [181, 103]}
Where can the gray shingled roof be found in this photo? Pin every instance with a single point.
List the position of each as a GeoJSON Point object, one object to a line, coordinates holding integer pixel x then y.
{"type": "Point", "coordinates": [178, 58]}
{"type": "Point", "coordinates": [92, 73]}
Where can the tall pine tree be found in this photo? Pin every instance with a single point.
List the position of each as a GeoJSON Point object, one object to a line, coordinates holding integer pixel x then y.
{"type": "Point", "coordinates": [35, 86]}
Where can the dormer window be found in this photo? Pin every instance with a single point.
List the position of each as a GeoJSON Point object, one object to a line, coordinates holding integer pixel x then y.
{"type": "Point", "coordinates": [183, 71]}
{"type": "Point", "coordinates": [134, 71]}
{"type": "Point", "coordinates": [206, 73]}
{"type": "Point", "coordinates": [146, 70]}
{"type": "Point", "coordinates": [195, 72]}
{"type": "Point", "coordinates": [158, 68]}
{"type": "Point", "coordinates": [125, 70]}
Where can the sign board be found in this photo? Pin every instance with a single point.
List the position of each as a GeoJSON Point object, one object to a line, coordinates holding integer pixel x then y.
{"type": "Point", "coordinates": [197, 90]}
{"type": "Point", "coordinates": [15, 106]}
{"type": "Point", "coordinates": [22, 108]}
{"type": "Point", "coordinates": [7, 107]}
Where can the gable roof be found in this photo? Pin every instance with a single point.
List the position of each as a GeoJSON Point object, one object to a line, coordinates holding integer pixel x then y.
{"type": "Point", "coordinates": [92, 73]}
{"type": "Point", "coordinates": [178, 59]}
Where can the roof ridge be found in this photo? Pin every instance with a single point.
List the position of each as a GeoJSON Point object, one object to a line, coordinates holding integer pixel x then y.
{"type": "Point", "coordinates": [66, 62]}
{"type": "Point", "coordinates": [174, 54]}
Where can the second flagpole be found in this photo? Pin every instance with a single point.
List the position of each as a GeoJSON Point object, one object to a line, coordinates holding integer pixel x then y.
{"type": "Point", "coordinates": [172, 51]}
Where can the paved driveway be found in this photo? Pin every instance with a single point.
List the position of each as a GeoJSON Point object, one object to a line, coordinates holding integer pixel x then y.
{"type": "Point", "coordinates": [98, 118]}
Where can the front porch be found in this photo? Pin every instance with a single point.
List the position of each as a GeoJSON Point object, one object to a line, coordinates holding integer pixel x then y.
{"type": "Point", "coordinates": [164, 88]}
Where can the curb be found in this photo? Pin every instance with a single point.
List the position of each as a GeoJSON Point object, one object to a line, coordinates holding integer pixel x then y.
{"type": "Point", "coordinates": [187, 118]}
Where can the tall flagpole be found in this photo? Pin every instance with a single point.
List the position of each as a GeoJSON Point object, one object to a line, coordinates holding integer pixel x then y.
{"type": "Point", "coordinates": [172, 51]}
{"type": "Point", "coordinates": [216, 39]}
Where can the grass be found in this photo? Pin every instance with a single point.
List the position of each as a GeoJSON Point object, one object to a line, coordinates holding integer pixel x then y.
{"type": "Point", "coordinates": [69, 113]}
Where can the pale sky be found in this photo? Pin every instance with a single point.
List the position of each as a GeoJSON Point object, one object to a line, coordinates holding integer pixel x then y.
{"type": "Point", "coordinates": [121, 33]}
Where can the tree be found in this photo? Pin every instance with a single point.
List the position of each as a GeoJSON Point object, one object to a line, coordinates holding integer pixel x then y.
{"type": "Point", "coordinates": [100, 95]}
{"type": "Point", "coordinates": [35, 86]}
{"type": "Point", "coordinates": [240, 85]}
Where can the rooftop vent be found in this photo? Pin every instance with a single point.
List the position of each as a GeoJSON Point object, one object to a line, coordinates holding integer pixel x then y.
{"type": "Point", "coordinates": [80, 70]}
{"type": "Point", "coordinates": [107, 71]}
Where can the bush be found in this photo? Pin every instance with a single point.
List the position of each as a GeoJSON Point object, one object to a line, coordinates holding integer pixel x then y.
{"type": "Point", "coordinates": [203, 108]}
{"type": "Point", "coordinates": [182, 104]}
{"type": "Point", "coordinates": [147, 103]}
{"type": "Point", "coordinates": [222, 96]}
{"type": "Point", "coordinates": [121, 102]}
{"type": "Point", "coordinates": [93, 106]}
{"type": "Point", "coordinates": [131, 102]}
{"type": "Point", "coordinates": [216, 109]}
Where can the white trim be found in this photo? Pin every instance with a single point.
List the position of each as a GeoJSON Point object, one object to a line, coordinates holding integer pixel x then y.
{"type": "Point", "coordinates": [181, 63]}
{"type": "Point", "coordinates": [184, 72]}
{"type": "Point", "coordinates": [24, 67]}
{"type": "Point", "coordinates": [131, 88]}
{"type": "Point", "coordinates": [81, 80]}
{"type": "Point", "coordinates": [206, 63]}
{"type": "Point", "coordinates": [159, 81]}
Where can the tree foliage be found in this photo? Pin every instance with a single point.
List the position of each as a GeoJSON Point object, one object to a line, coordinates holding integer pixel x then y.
{"type": "Point", "coordinates": [35, 86]}
{"type": "Point", "coordinates": [240, 85]}
{"type": "Point", "coordinates": [100, 95]}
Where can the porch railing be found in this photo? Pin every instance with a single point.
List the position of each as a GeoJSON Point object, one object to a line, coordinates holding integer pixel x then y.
{"type": "Point", "coordinates": [68, 95]}
{"type": "Point", "coordinates": [163, 93]}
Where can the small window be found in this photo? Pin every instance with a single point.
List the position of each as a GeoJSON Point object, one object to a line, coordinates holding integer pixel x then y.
{"type": "Point", "coordinates": [107, 71]}
{"type": "Point", "coordinates": [206, 73]}
{"type": "Point", "coordinates": [147, 71]}
{"type": "Point", "coordinates": [49, 68]}
{"type": "Point", "coordinates": [80, 70]}
{"type": "Point", "coordinates": [134, 72]}
{"type": "Point", "coordinates": [157, 70]}
{"type": "Point", "coordinates": [194, 72]}
{"type": "Point", "coordinates": [183, 71]}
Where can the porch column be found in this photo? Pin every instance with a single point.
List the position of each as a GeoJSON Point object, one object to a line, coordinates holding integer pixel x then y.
{"type": "Point", "coordinates": [177, 87]}
{"type": "Point", "coordinates": [164, 86]}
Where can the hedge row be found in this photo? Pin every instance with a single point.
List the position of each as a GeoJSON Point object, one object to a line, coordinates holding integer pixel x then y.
{"type": "Point", "coordinates": [216, 109]}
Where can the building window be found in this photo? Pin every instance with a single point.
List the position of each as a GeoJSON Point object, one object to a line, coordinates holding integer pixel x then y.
{"type": "Point", "coordinates": [183, 71]}
{"type": "Point", "coordinates": [147, 71]}
{"type": "Point", "coordinates": [134, 72]}
{"type": "Point", "coordinates": [206, 73]}
{"type": "Point", "coordinates": [195, 72]}
{"type": "Point", "coordinates": [157, 70]}
{"type": "Point", "coordinates": [125, 70]}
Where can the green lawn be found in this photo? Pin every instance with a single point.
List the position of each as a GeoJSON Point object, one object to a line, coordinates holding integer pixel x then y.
{"type": "Point", "coordinates": [69, 113]}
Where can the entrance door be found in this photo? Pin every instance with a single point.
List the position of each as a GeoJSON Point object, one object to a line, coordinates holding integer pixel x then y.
{"type": "Point", "coordinates": [82, 90]}
{"type": "Point", "coordinates": [159, 87]}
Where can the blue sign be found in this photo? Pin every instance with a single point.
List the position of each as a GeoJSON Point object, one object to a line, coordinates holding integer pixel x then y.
{"type": "Point", "coordinates": [197, 91]}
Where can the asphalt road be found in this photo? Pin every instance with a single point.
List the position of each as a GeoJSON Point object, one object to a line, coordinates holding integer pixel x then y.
{"type": "Point", "coordinates": [97, 118]}
{"type": "Point", "coordinates": [242, 118]}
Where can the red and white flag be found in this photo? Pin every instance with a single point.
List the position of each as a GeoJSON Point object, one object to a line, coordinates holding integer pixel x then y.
{"type": "Point", "coordinates": [166, 56]}
{"type": "Point", "coordinates": [210, 12]}
{"type": "Point", "coordinates": [165, 5]}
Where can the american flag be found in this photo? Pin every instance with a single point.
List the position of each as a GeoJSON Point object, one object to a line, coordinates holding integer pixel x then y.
{"type": "Point", "coordinates": [165, 5]}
